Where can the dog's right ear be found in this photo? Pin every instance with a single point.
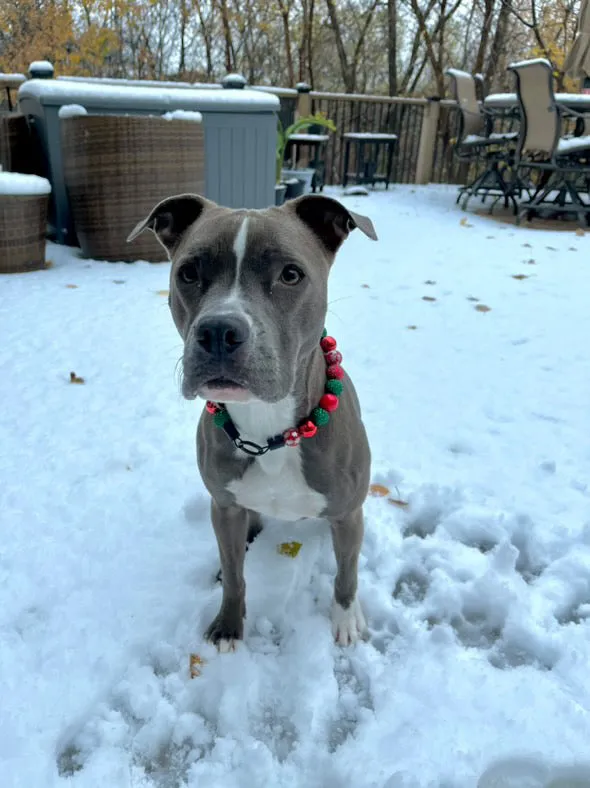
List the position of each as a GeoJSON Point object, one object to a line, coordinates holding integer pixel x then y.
{"type": "Point", "coordinates": [171, 218]}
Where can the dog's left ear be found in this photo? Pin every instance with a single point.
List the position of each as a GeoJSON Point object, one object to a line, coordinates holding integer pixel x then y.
{"type": "Point", "coordinates": [171, 218]}
{"type": "Point", "coordinates": [330, 220]}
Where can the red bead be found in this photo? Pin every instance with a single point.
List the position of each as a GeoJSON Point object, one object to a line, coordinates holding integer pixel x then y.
{"type": "Point", "coordinates": [335, 372]}
{"type": "Point", "coordinates": [291, 437]}
{"type": "Point", "coordinates": [327, 344]}
{"type": "Point", "coordinates": [308, 430]}
{"type": "Point", "coordinates": [211, 407]}
{"type": "Point", "coordinates": [329, 402]}
{"type": "Point", "coordinates": [333, 357]}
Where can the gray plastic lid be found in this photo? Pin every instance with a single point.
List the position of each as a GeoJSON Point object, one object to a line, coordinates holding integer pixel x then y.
{"type": "Point", "coordinates": [53, 92]}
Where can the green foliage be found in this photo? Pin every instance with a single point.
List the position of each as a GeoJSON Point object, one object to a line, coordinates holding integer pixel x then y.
{"type": "Point", "coordinates": [300, 125]}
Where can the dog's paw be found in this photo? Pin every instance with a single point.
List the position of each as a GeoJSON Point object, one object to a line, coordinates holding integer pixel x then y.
{"type": "Point", "coordinates": [348, 624]}
{"type": "Point", "coordinates": [225, 634]}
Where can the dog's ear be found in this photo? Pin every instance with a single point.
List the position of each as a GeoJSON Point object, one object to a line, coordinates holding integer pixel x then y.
{"type": "Point", "coordinates": [330, 220]}
{"type": "Point", "coordinates": [171, 218]}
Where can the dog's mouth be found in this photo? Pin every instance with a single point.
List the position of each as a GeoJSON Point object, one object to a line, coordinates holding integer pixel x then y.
{"type": "Point", "coordinates": [224, 389]}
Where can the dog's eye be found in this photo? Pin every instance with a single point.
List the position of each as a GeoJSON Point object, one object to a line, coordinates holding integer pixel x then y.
{"type": "Point", "coordinates": [189, 274]}
{"type": "Point", "coordinates": [291, 275]}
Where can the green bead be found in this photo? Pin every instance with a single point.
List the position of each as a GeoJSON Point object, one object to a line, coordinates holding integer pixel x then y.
{"type": "Point", "coordinates": [320, 417]}
{"type": "Point", "coordinates": [324, 333]}
{"type": "Point", "coordinates": [220, 418]}
{"type": "Point", "coordinates": [334, 387]}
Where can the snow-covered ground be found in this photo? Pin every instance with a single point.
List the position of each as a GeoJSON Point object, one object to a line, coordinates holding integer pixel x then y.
{"type": "Point", "coordinates": [477, 591]}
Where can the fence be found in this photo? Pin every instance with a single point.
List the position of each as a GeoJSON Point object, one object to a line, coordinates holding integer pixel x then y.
{"type": "Point", "coordinates": [426, 128]}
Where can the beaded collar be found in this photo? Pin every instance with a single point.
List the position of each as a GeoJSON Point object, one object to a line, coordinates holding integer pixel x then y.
{"type": "Point", "coordinates": [319, 416]}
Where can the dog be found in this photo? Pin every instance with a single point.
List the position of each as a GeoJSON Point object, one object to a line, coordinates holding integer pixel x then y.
{"type": "Point", "coordinates": [281, 434]}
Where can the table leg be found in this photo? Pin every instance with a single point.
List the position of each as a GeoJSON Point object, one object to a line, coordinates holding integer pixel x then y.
{"type": "Point", "coordinates": [346, 163]}
{"type": "Point", "coordinates": [390, 150]}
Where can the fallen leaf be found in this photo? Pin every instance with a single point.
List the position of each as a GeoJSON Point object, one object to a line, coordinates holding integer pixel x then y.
{"type": "Point", "coordinates": [128, 467]}
{"type": "Point", "coordinates": [490, 237]}
{"type": "Point", "coordinates": [531, 262]}
{"type": "Point", "coordinates": [472, 298]}
{"type": "Point", "coordinates": [411, 328]}
{"type": "Point", "coordinates": [527, 246]}
{"type": "Point", "coordinates": [162, 292]}
{"type": "Point", "coordinates": [72, 287]}
{"type": "Point", "coordinates": [290, 549]}
{"type": "Point", "coordinates": [366, 286]}
{"type": "Point", "coordinates": [483, 308]}
{"type": "Point", "coordinates": [118, 281]}
{"type": "Point", "coordinates": [428, 298]}
{"type": "Point", "coordinates": [430, 282]}
{"type": "Point", "coordinates": [75, 379]}
{"type": "Point", "coordinates": [398, 502]}
{"type": "Point", "coordinates": [520, 276]}
{"type": "Point", "coordinates": [465, 223]}
{"type": "Point", "coordinates": [572, 249]}
{"type": "Point", "coordinates": [379, 490]}
{"type": "Point", "coordinates": [195, 664]}
{"type": "Point", "coordinates": [551, 248]}
{"type": "Point", "coordinates": [580, 232]}
{"type": "Point", "coordinates": [49, 264]}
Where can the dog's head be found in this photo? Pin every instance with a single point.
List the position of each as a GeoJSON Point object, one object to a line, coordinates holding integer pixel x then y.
{"type": "Point", "coordinates": [248, 289]}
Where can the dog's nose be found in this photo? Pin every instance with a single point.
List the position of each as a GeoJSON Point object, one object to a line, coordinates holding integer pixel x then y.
{"type": "Point", "coordinates": [221, 336]}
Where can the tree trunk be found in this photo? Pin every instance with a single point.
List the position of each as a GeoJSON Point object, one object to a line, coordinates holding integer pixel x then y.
{"type": "Point", "coordinates": [347, 76]}
{"type": "Point", "coordinates": [284, 9]}
{"type": "Point", "coordinates": [392, 46]}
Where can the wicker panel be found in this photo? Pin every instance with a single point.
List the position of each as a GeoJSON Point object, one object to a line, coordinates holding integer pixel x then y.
{"type": "Point", "coordinates": [15, 144]}
{"type": "Point", "coordinates": [23, 222]}
{"type": "Point", "coordinates": [117, 168]}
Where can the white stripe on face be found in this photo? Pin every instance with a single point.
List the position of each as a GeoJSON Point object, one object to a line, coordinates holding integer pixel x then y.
{"type": "Point", "coordinates": [240, 243]}
{"type": "Point", "coordinates": [233, 301]}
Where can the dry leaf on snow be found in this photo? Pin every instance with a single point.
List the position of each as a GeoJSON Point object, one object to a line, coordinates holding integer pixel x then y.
{"type": "Point", "coordinates": [428, 298]}
{"type": "Point", "coordinates": [379, 490]}
{"type": "Point", "coordinates": [290, 549]}
{"type": "Point", "coordinates": [472, 298]}
{"type": "Point", "coordinates": [411, 328]}
{"type": "Point", "coordinates": [483, 308]}
{"type": "Point", "coordinates": [430, 282]}
{"type": "Point", "coordinates": [520, 276]}
{"type": "Point", "coordinates": [195, 664]}
{"type": "Point", "coordinates": [162, 292]}
{"type": "Point", "coordinates": [72, 287]}
{"type": "Point", "coordinates": [398, 502]}
{"type": "Point", "coordinates": [580, 232]}
{"type": "Point", "coordinates": [465, 223]}
{"type": "Point", "coordinates": [75, 379]}
{"type": "Point", "coordinates": [48, 264]}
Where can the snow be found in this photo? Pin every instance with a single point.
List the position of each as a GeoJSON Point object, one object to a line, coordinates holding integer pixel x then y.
{"type": "Point", "coordinates": [509, 99]}
{"type": "Point", "coordinates": [573, 144]}
{"type": "Point", "coordinates": [107, 95]}
{"type": "Point", "coordinates": [16, 184]}
{"type": "Point", "coordinates": [368, 135]}
{"type": "Point", "coordinates": [147, 83]}
{"type": "Point", "coordinates": [182, 114]}
{"type": "Point", "coordinates": [477, 593]}
{"type": "Point", "coordinates": [41, 65]}
{"type": "Point", "coordinates": [71, 111]}
{"type": "Point", "coordinates": [309, 137]}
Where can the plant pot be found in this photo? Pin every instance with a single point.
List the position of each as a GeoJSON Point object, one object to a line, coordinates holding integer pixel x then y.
{"type": "Point", "coordinates": [280, 191]}
{"type": "Point", "coordinates": [23, 222]}
{"type": "Point", "coordinates": [117, 167]}
{"type": "Point", "coordinates": [295, 188]}
{"type": "Point", "coordinates": [305, 175]}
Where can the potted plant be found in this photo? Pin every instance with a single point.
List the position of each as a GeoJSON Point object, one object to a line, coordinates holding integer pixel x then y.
{"type": "Point", "coordinates": [301, 176]}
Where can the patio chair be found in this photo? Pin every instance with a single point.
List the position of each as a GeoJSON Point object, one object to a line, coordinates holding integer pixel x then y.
{"type": "Point", "coordinates": [476, 140]}
{"type": "Point", "coordinates": [562, 164]}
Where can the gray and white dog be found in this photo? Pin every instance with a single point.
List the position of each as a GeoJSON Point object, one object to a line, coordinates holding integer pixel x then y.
{"type": "Point", "coordinates": [248, 295]}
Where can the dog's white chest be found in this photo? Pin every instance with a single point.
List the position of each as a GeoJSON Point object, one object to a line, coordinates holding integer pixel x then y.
{"type": "Point", "coordinates": [284, 494]}
{"type": "Point", "coordinates": [274, 485]}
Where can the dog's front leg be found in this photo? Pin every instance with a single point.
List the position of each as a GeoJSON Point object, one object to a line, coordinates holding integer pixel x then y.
{"type": "Point", "coordinates": [348, 621]}
{"type": "Point", "coordinates": [230, 524]}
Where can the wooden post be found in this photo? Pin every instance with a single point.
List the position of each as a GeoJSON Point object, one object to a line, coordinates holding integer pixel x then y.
{"type": "Point", "coordinates": [303, 109]}
{"type": "Point", "coordinates": [428, 136]}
